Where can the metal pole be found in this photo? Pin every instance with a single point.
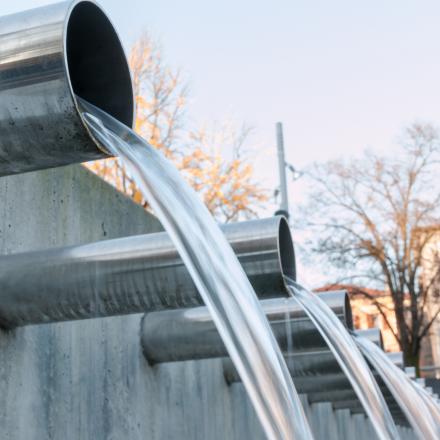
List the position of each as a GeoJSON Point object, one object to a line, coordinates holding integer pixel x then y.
{"type": "Point", "coordinates": [284, 205]}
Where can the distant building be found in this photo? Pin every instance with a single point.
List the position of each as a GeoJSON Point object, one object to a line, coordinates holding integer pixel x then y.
{"type": "Point", "coordinates": [367, 315]}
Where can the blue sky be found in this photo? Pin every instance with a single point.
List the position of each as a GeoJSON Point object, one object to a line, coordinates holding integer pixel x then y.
{"type": "Point", "coordinates": [341, 75]}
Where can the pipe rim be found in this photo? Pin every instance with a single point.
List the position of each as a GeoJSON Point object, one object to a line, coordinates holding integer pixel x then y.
{"type": "Point", "coordinates": [286, 249]}
{"type": "Point", "coordinates": [396, 357]}
{"type": "Point", "coordinates": [83, 12]}
{"type": "Point", "coordinates": [373, 334]}
{"type": "Point", "coordinates": [348, 312]}
{"type": "Point", "coordinates": [343, 306]}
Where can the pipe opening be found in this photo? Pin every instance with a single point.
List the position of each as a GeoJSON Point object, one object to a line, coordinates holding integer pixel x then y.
{"type": "Point", "coordinates": [286, 249]}
{"type": "Point", "coordinates": [348, 312]}
{"type": "Point", "coordinates": [381, 343]}
{"type": "Point", "coordinates": [97, 65]}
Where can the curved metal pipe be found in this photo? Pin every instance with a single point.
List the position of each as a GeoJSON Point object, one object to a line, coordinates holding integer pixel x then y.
{"type": "Point", "coordinates": [48, 56]}
{"type": "Point", "coordinates": [180, 335]}
{"type": "Point", "coordinates": [131, 275]}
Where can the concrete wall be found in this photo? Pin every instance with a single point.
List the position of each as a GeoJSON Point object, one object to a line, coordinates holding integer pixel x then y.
{"type": "Point", "coordinates": [88, 380]}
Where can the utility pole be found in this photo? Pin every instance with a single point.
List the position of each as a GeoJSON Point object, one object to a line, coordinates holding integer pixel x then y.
{"type": "Point", "coordinates": [284, 204]}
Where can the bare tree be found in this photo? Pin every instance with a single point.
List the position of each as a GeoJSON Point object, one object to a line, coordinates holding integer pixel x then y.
{"type": "Point", "coordinates": [375, 218]}
{"type": "Point", "coordinates": [213, 160]}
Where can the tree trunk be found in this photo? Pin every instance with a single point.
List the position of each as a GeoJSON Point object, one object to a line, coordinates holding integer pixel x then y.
{"type": "Point", "coordinates": [411, 359]}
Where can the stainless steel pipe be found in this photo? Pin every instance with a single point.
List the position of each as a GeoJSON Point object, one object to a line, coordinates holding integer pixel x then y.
{"type": "Point", "coordinates": [48, 56]}
{"type": "Point", "coordinates": [180, 335]}
{"type": "Point", "coordinates": [311, 370]}
{"type": "Point", "coordinates": [345, 391]}
{"type": "Point", "coordinates": [132, 275]}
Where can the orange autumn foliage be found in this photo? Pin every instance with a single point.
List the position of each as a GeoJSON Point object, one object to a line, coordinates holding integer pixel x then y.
{"type": "Point", "coordinates": [226, 185]}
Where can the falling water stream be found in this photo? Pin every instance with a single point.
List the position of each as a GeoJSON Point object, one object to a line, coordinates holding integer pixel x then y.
{"type": "Point", "coordinates": [431, 404]}
{"type": "Point", "coordinates": [349, 358]}
{"type": "Point", "coordinates": [400, 386]}
{"type": "Point", "coordinates": [216, 272]}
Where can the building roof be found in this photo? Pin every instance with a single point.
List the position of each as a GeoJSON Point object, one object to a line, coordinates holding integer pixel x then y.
{"type": "Point", "coordinates": [354, 290]}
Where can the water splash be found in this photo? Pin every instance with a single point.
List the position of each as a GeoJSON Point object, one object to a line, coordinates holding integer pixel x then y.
{"type": "Point", "coordinates": [401, 388]}
{"type": "Point", "coordinates": [217, 274]}
{"type": "Point", "coordinates": [349, 358]}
